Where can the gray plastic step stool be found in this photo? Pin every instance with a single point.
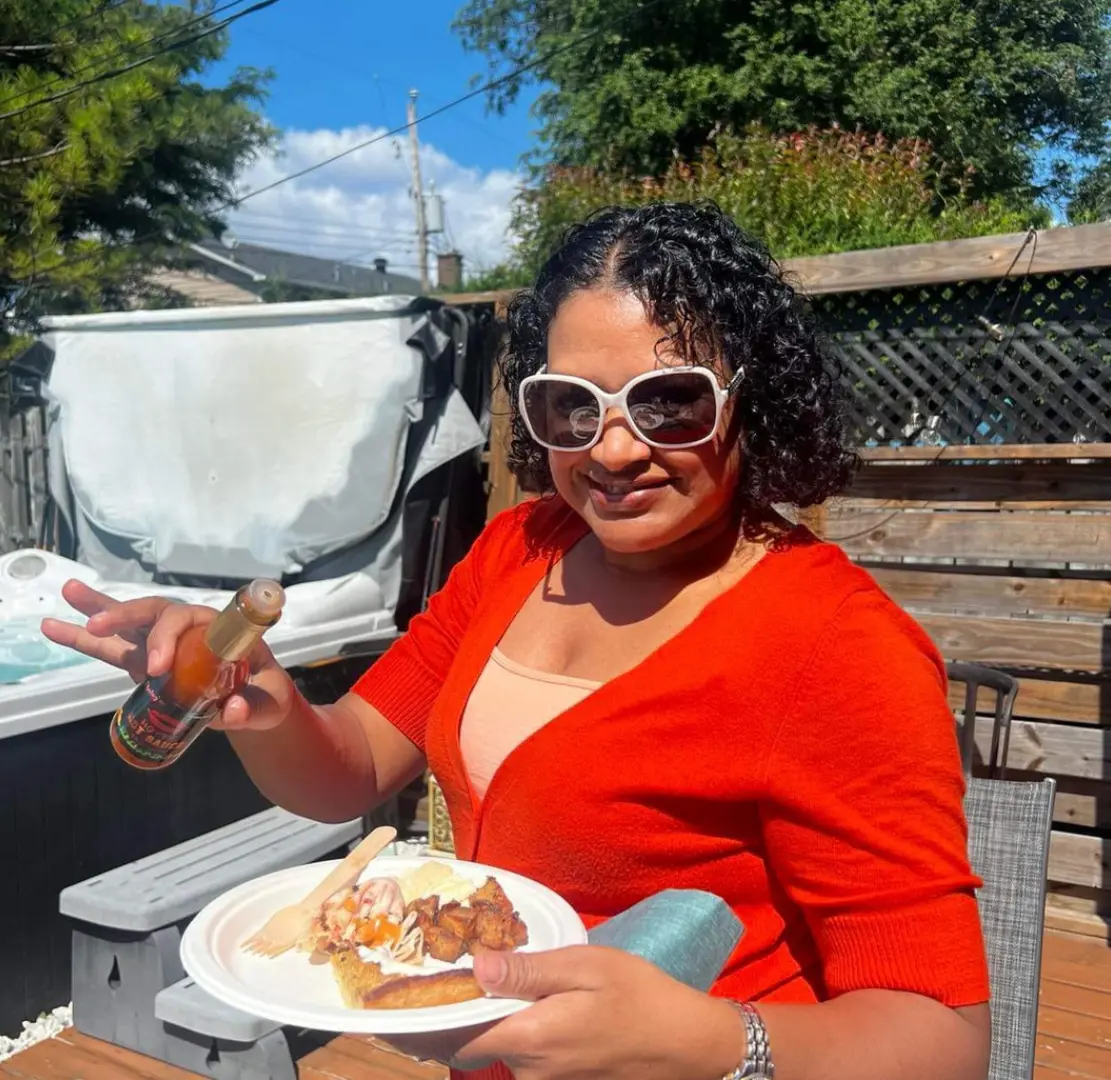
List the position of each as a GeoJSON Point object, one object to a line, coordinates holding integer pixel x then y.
{"type": "Point", "coordinates": [128, 933]}
{"type": "Point", "coordinates": [208, 1037]}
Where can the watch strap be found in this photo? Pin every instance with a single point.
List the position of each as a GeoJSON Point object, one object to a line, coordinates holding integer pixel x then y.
{"type": "Point", "coordinates": [757, 1064]}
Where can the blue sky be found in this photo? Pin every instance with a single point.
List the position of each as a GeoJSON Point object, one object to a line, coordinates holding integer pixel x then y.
{"type": "Point", "coordinates": [342, 72]}
{"type": "Point", "coordinates": [340, 63]}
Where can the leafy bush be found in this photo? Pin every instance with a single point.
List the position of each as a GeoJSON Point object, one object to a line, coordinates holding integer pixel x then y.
{"type": "Point", "coordinates": [810, 192]}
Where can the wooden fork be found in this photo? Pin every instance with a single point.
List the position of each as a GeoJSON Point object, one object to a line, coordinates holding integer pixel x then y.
{"type": "Point", "coordinates": [287, 926]}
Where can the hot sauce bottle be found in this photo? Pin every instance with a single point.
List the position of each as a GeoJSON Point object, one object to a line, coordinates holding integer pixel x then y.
{"type": "Point", "coordinates": [165, 713]}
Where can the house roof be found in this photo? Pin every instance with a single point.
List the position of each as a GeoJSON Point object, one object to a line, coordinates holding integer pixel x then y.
{"type": "Point", "coordinates": [249, 261]}
{"type": "Point", "coordinates": [203, 289]}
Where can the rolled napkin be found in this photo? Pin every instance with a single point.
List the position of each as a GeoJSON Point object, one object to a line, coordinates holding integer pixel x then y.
{"type": "Point", "coordinates": [688, 933]}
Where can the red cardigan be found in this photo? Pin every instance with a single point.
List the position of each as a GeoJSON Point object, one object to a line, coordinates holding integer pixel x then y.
{"type": "Point", "coordinates": [792, 751]}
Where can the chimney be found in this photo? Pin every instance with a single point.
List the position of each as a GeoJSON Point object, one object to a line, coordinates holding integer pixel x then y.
{"type": "Point", "coordinates": [380, 265]}
{"type": "Point", "coordinates": [449, 270]}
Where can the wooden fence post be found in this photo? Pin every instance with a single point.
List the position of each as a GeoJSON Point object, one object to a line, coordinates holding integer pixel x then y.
{"type": "Point", "coordinates": [502, 490]}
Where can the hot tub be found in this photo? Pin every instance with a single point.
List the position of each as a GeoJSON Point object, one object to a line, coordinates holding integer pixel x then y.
{"type": "Point", "coordinates": [315, 443]}
{"type": "Point", "coordinates": [69, 808]}
{"type": "Point", "coordinates": [43, 685]}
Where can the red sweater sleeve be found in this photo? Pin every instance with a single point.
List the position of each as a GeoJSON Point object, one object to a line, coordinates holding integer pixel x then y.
{"type": "Point", "coordinates": [404, 683]}
{"type": "Point", "coordinates": [864, 823]}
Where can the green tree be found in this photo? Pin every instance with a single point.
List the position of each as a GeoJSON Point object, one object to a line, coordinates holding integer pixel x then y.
{"type": "Point", "coordinates": [987, 83]}
{"type": "Point", "coordinates": [1092, 199]}
{"type": "Point", "coordinates": [113, 174]}
{"type": "Point", "coordinates": [510, 274]}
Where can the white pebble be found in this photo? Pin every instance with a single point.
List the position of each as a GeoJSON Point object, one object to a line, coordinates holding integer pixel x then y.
{"type": "Point", "coordinates": [45, 1027]}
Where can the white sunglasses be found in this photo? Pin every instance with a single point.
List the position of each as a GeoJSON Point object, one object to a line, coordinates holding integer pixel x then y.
{"type": "Point", "coordinates": [672, 408]}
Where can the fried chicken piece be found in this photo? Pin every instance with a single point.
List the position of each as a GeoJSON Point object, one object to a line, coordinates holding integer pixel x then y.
{"type": "Point", "coordinates": [425, 906]}
{"type": "Point", "coordinates": [424, 911]}
{"type": "Point", "coordinates": [497, 930]}
{"type": "Point", "coordinates": [491, 892]}
{"type": "Point", "coordinates": [424, 991]}
{"type": "Point", "coordinates": [441, 943]}
{"type": "Point", "coordinates": [457, 919]}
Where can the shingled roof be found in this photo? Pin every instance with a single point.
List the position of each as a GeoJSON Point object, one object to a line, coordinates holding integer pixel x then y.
{"type": "Point", "coordinates": [249, 265]}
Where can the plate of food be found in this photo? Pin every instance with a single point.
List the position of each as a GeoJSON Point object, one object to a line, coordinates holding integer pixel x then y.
{"type": "Point", "coordinates": [379, 948]}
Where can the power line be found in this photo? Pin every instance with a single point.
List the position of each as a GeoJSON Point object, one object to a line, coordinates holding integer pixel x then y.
{"type": "Point", "coordinates": [363, 238]}
{"type": "Point", "coordinates": [390, 264]}
{"type": "Point", "coordinates": [259, 221]}
{"type": "Point", "coordinates": [297, 245]}
{"type": "Point", "coordinates": [493, 84]}
{"type": "Point", "coordinates": [376, 252]}
{"type": "Point", "coordinates": [129, 50]}
{"type": "Point", "coordinates": [448, 231]}
{"type": "Point", "coordinates": [325, 244]}
{"type": "Point", "coordinates": [106, 75]}
{"type": "Point", "coordinates": [364, 77]}
{"type": "Point", "coordinates": [254, 213]}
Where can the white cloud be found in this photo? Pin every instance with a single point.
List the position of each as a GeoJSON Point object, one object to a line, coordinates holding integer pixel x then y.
{"type": "Point", "coordinates": [359, 208]}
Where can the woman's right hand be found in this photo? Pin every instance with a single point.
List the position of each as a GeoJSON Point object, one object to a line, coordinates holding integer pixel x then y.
{"type": "Point", "coordinates": [140, 637]}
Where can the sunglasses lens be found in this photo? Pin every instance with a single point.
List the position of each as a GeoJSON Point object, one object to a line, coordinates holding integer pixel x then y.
{"type": "Point", "coordinates": [674, 408]}
{"type": "Point", "coordinates": [562, 414]}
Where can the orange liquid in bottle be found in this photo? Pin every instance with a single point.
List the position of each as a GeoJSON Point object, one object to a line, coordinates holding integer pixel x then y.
{"type": "Point", "coordinates": [166, 713]}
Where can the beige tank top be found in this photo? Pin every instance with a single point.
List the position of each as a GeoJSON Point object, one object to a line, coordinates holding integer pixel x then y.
{"type": "Point", "coordinates": [509, 703]}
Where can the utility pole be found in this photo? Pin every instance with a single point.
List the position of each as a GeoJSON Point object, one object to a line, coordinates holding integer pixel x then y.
{"type": "Point", "coordinates": [418, 194]}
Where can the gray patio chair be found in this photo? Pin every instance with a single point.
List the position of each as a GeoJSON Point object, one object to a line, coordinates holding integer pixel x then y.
{"type": "Point", "coordinates": [1005, 686]}
{"type": "Point", "coordinates": [1009, 824]}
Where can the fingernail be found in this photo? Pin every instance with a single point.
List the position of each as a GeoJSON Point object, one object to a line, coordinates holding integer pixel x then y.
{"type": "Point", "coordinates": [490, 968]}
{"type": "Point", "coordinates": [154, 659]}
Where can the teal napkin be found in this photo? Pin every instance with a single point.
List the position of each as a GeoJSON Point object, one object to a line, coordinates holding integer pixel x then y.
{"type": "Point", "coordinates": [688, 933]}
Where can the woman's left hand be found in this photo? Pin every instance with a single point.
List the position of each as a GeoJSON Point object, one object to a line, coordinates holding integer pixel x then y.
{"type": "Point", "coordinates": [601, 1012]}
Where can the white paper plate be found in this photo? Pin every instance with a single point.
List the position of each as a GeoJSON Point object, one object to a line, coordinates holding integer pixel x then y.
{"type": "Point", "coordinates": [292, 991]}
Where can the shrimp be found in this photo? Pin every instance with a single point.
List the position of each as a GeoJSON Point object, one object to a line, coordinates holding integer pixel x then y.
{"type": "Point", "coordinates": [380, 896]}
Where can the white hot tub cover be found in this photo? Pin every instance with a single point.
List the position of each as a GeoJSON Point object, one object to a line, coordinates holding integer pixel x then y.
{"type": "Point", "coordinates": [240, 442]}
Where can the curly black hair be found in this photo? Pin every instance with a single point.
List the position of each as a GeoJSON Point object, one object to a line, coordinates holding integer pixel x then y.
{"type": "Point", "coordinates": [721, 301]}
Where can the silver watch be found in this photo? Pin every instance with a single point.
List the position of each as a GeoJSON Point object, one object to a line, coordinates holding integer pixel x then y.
{"type": "Point", "coordinates": [757, 1064]}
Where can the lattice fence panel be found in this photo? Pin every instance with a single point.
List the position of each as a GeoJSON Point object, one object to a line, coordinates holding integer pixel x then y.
{"type": "Point", "coordinates": [1022, 360]}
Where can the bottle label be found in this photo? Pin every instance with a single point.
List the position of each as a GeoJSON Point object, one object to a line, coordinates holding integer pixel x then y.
{"type": "Point", "coordinates": [154, 728]}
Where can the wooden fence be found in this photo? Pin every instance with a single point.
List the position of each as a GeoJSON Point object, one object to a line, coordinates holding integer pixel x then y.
{"type": "Point", "coordinates": [1007, 562]}
{"type": "Point", "coordinates": [999, 543]}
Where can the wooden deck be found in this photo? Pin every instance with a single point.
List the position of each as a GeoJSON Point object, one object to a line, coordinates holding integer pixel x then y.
{"type": "Point", "coordinates": [1074, 1020]}
{"type": "Point", "coordinates": [1074, 1036]}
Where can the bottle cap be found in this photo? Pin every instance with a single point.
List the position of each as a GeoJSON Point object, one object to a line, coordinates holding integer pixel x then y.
{"type": "Point", "coordinates": [262, 601]}
{"type": "Point", "coordinates": [252, 611]}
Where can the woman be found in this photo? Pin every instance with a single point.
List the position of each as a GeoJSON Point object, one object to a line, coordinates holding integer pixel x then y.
{"type": "Point", "coordinates": [650, 679]}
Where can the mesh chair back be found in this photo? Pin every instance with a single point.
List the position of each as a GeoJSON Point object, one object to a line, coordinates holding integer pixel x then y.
{"type": "Point", "coordinates": [1009, 825]}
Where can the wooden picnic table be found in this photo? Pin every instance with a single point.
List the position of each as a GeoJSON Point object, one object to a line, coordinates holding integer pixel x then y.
{"type": "Point", "coordinates": [1074, 1036]}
